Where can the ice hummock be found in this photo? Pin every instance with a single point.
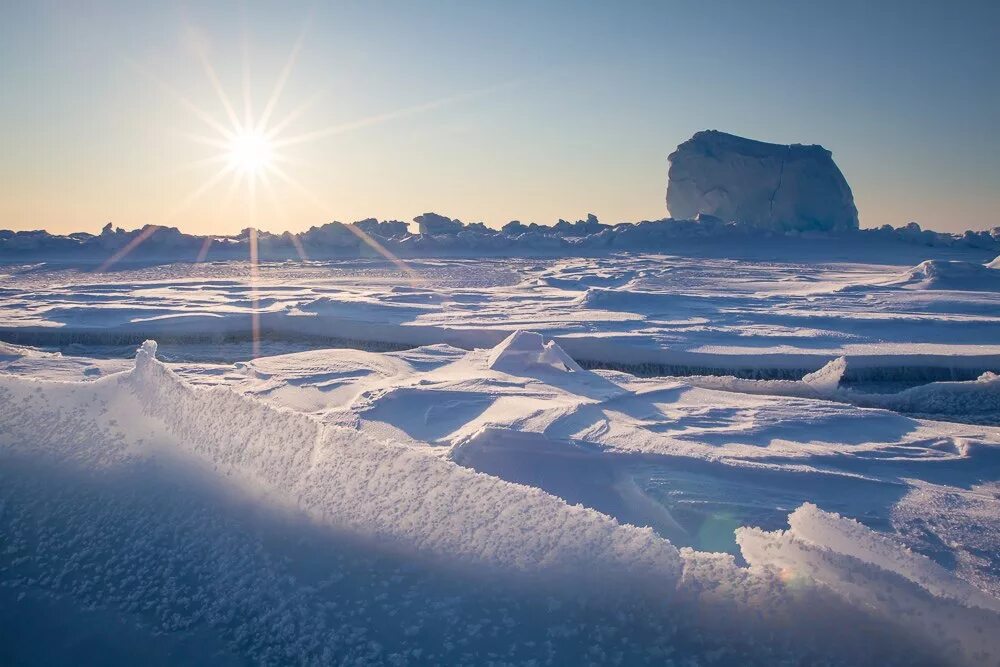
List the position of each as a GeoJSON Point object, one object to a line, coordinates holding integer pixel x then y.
{"type": "Point", "coordinates": [827, 379]}
{"type": "Point", "coordinates": [938, 274]}
{"type": "Point", "coordinates": [771, 186]}
{"type": "Point", "coordinates": [526, 350]}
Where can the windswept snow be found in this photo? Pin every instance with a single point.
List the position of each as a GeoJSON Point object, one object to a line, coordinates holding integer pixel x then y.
{"type": "Point", "coordinates": [159, 500]}
{"type": "Point", "coordinates": [628, 459]}
{"type": "Point", "coordinates": [640, 313]}
{"type": "Point", "coordinates": [951, 275]}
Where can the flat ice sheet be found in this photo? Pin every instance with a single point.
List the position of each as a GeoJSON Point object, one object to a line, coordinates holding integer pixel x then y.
{"type": "Point", "coordinates": [637, 312]}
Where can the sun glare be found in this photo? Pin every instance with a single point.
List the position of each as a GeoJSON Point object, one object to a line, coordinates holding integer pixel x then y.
{"type": "Point", "coordinates": [250, 153]}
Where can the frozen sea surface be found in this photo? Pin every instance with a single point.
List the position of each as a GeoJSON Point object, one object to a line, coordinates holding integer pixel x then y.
{"type": "Point", "coordinates": [647, 314]}
{"type": "Point", "coordinates": [803, 466]}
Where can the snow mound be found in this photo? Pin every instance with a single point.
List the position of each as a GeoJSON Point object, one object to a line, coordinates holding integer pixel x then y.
{"type": "Point", "coordinates": [979, 398]}
{"type": "Point", "coordinates": [936, 274]}
{"type": "Point", "coordinates": [827, 379]}
{"type": "Point", "coordinates": [770, 186]}
{"type": "Point", "coordinates": [523, 351]}
{"type": "Point", "coordinates": [975, 401]}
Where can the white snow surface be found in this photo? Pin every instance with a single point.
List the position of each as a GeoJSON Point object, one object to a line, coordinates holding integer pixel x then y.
{"type": "Point", "coordinates": [951, 275]}
{"type": "Point", "coordinates": [536, 482]}
{"type": "Point", "coordinates": [482, 496]}
{"type": "Point", "coordinates": [643, 313]}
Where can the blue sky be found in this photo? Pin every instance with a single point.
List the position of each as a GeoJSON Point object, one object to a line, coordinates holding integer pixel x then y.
{"type": "Point", "coordinates": [486, 110]}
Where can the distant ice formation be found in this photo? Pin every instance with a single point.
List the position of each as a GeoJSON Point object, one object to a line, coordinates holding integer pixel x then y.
{"type": "Point", "coordinates": [770, 186]}
{"type": "Point", "coordinates": [721, 187]}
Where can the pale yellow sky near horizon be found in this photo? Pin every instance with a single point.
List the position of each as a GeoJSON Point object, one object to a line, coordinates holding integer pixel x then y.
{"type": "Point", "coordinates": [112, 112]}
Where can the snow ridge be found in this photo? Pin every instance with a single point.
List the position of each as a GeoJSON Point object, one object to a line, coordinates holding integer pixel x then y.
{"type": "Point", "coordinates": [391, 492]}
{"type": "Point", "coordinates": [425, 505]}
{"type": "Point", "coordinates": [526, 350]}
{"type": "Point", "coordinates": [874, 573]}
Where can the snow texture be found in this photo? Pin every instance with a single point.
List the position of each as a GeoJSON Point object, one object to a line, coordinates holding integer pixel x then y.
{"type": "Point", "coordinates": [769, 186]}
{"type": "Point", "coordinates": [827, 587]}
{"type": "Point", "coordinates": [479, 481]}
{"type": "Point", "coordinates": [645, 314]}
{"type": "Point", "coordinates": [876, 574]}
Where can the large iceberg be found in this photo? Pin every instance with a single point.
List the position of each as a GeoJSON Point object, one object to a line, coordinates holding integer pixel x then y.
{"type": "Point", "coordinates": [772, 186]}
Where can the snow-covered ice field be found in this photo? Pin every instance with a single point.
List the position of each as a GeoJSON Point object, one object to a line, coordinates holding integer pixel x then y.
{"type": "Point", "coordinates": [650, 313]}
{"type": "Point", "coordinates": [618, 459]}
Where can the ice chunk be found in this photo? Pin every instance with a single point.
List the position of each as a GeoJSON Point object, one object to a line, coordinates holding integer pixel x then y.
{"type": "Point", "coordinates": [771, 186]}
{"type": "Point", "coordinates": [388, 491]}
{"type": "Point", "coordinates": [874, 573]}
{"type": "Point", "coordinates": [523, 350]}
{"type": "Point", "coordinates": [145, 354]}
{"type": "Point", "coordinates": [827, 379]}
{"type": "Point", "coordinates": [849, 537]}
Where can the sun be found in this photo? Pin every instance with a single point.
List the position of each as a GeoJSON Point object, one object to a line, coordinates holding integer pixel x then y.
{"type": "Point", "coordinates": [250, 152]}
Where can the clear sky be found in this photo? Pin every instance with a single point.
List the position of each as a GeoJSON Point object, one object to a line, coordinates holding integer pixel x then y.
{"type": "Point", "coordinates": [480, 110]}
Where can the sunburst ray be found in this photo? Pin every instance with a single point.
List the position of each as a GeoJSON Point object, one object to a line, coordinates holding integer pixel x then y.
{"type": "Point", "coordinates": [125, 250]}
{"type": "Point", "coordinates": [360, 233]}
{"type": "Point", "coordinates": [250, 148]}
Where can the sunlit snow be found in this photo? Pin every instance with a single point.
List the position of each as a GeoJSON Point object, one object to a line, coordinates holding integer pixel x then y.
{"type": "Point", "coordinates": [619, 459]}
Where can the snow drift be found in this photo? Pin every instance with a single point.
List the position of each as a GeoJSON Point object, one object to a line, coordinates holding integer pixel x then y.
{"type": "Point", "coordinates": [770, 186]}
{"type": "Point", "coordinates": [936, 274]}
{"type": "Point", "coordinates": [973, 401]}
{"type": "Point", "coordinates": [827, 579]}
{"type": "Point", "coordinates": [872, 572]}
{"type": "Point", "coordinates": [392, 492]}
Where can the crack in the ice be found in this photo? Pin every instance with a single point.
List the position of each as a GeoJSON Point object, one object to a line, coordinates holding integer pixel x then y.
{"type": "Point", "coordinates": [781, 173]}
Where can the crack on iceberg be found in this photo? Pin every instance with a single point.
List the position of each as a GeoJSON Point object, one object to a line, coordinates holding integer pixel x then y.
{"type": "Point", "coordinates": [781, 173]}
